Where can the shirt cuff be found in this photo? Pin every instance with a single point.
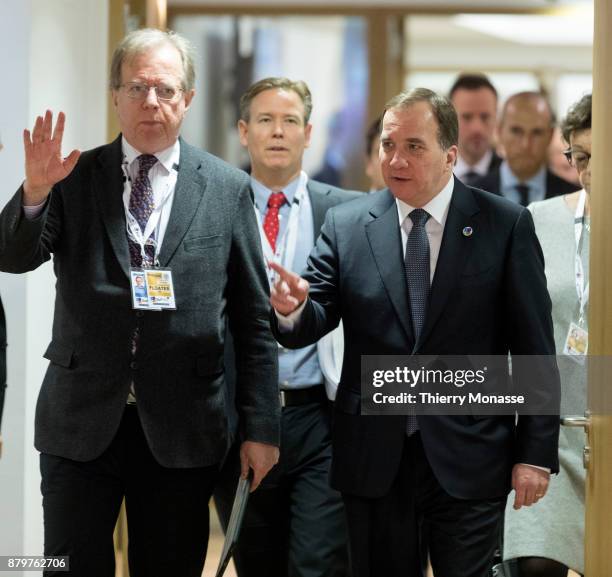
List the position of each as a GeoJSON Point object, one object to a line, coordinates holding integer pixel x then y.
{"type": "Point", "coordinates": [34, 211]}
{"type": "Point", "coordinates": [286, 323]}
{"type": "Point", "coordinates": [537, 467]}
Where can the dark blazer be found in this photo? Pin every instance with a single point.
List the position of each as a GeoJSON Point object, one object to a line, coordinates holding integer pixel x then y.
{"type": "Point", "coordinates": [322, 197]}
{"type": "Point", "coordinates": [496, 160]}
{"type": "Point", "coordinates": [212, 246]}
{"type": "Point", "coordinates": [555, 185]}
{"type": "Point", "coordinates": [488, 296]}
{"type": "Point", "coordinates": [2, 360]}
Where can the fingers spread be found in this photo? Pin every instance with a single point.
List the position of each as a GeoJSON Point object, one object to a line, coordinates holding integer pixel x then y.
{"type": "Point", "coordinates": [46, 127]}
{"type": "Point", "coordinates": [58, 133]}
{"type": "Point", "coordinates": [37, 131]}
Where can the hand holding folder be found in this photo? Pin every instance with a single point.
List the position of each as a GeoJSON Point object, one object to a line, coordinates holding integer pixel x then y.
{"type": "Point", "coordinates": [235, 523]}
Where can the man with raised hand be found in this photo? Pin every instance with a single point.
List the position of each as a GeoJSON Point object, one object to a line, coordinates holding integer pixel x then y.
{"type": "Point", "coordinates": [133, 401]}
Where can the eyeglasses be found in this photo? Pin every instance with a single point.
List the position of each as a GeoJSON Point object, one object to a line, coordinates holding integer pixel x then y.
{"type": "Point", "coordinates": [139, 91]}
{"type": "Point", "coordinates": [577, 158]}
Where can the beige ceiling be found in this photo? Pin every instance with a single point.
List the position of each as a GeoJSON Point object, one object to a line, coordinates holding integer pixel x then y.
{"type": "Point", "coordinates": [459, 5]}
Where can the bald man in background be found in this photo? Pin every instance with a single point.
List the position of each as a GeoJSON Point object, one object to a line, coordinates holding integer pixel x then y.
{"type": "Point", "coordinates": [525, 131]}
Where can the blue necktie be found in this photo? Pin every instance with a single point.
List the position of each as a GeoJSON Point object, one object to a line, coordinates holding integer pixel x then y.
{"type": "Point", "coordinates": [416, 263]}
{"type": "Point", "coordinates": [141, 207]}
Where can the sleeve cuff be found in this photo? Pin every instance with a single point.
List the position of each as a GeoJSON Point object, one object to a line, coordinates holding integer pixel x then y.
{"type": "Point", "coordinates": [286, 323]}
{"type": "Point", "coordinates": [33, 212]}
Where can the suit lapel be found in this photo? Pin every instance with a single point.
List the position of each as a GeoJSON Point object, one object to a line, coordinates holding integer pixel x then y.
{"type": "Point", "coordinates": [454, 250]}
{"type": "Point", "coordinates": [107, 183]}
{"type": "Point", "coordinates": [385, 240]}
{"type": "Point", "coordinates": [188, 194]}
{"type": "Point", "coordinates": [318, 195]}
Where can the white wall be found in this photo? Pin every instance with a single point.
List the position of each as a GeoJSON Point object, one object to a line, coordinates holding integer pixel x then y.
{"type": "Point", "coordinates": [55, 54]}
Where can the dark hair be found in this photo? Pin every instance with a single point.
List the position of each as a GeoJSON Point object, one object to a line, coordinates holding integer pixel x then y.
{"type": "Point", "coordinates": [372, 133]}
{"type": "Point", "coordinates": [297, 86]}
{"type": "Point", "coordinates": [443, 110]}
{"type": "Point", "coordinates": [471, 81]}
{"type": "Point", "coordinates": [578, 118]}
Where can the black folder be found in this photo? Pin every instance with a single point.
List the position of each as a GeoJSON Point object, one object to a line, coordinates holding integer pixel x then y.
{"type": "Point", "coordinates": [235, 523]}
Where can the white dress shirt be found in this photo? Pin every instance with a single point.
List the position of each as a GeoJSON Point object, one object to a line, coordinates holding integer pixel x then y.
{"type": "Point", "coordinates": [480, 168]}
{"type": "Point", "coordinates": [162, 176]}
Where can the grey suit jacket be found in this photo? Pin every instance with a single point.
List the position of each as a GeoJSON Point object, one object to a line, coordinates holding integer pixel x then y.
{"type": "Point", "coordinates": [212, 246]}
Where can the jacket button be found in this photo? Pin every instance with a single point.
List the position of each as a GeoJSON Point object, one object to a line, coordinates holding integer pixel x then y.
{"type": "Point", "coordinates": [133, 365]}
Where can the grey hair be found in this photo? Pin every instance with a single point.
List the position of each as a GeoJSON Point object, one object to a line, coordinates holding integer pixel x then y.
{"type": "Point", "coordinates": [140, 41]}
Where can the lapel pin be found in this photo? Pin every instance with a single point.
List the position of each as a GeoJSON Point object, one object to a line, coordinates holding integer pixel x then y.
{"type": "Point", "coordinates": [467, 231]}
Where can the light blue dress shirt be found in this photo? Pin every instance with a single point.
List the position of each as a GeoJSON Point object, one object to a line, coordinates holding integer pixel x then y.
{"type": "Point", "coordinates": [298, 368]}
{"type": "Point", "coordinates": [508, 182]}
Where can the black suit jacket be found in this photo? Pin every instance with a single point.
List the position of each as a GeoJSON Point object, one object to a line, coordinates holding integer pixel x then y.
{"type": "Point", "coordinates": [2, 360]}
{"type": "Point", "coordinates": [212, 246]}
{"type": "Point", "coordinates": [488, 296]}
{"type": "Point", "coordinates": [495, 162]}
{"type": "Point", "coordinates": [555, 185]}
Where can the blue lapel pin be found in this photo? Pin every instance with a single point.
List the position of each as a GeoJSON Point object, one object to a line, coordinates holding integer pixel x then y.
{"type": "Point", "coordinates": [467, 231]}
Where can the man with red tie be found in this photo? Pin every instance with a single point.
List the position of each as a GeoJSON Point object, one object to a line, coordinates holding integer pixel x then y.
{"type": "Point", "coordinates": [294, 522]}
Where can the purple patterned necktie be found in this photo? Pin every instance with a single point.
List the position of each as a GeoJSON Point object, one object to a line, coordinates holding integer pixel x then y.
{"type": "Point", "coordinates": [141, 206]}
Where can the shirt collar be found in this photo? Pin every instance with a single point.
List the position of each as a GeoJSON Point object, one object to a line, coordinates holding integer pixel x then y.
{"type": "Point", "coordinates": [508, 180]}
{"type": "Point", "coordinates": [481, 167]}
{"type": "Point", "coordinates": [262, 192]}
{"type": "Point", "coordinates": [168, 158]}
{"type": "Point", "coordinates": [437, 207]}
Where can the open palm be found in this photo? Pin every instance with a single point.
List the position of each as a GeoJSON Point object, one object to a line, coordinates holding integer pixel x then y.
{"type": "Point", "coordinates": [43, 157]}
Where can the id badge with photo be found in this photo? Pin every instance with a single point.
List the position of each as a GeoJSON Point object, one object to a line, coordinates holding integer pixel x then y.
{"type": "Point", "coordinates": [160, 288]}
{"type": "Point", "coordinates": [138, 285]}
{"type": "Point", "coordinates": [576, 343]}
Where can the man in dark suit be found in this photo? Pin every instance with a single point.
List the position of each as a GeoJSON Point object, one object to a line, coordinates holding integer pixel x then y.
{"type": "Point", "coordinates": [372, 162]}
{"type": "Point", "coordinates": [488, 297]}
{"type": "Point", "coordinates": [525, 130]}
{"type": "Point", "coordinates": [475, 100]}
{"type": "Point", "coordinates": [132, 403]}
{"type": "Point", "coordinates": [295, 524]}
{"type": "Point", "coordinates": [2, 366]}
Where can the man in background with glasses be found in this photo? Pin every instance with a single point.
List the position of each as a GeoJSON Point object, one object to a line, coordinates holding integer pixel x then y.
{"type": "Point", "coordinates": [133, 402]}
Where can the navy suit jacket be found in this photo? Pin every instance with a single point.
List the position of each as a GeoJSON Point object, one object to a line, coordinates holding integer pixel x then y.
{"type": "Point", "coordinates": [488, 297]}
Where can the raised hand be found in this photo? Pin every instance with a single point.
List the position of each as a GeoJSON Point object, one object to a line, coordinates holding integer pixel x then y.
{"type": "Point", "coordinates": [289, 291]}
{"type": "Point", "coordinates": [44, 164]}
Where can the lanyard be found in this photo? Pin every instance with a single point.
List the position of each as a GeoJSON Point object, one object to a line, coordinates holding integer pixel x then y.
{"type": "Point", "coordinates": [582, 289]}
{"type": "Point", "coordinates": [151, 232]}
{"type": "Point", "coordinates": [287, 244]}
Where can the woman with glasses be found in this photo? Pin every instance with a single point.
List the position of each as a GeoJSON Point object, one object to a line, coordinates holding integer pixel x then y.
{"type": "Point", "coordinates": [547, 539]}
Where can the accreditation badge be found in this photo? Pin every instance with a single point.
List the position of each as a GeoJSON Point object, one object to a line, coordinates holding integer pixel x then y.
{"type": "Point", "coordinates": [576, 343]}
{"type": "Point", "coordinates": [160, 288]}
{"type": "Point", "coordinates": [138, 285]}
